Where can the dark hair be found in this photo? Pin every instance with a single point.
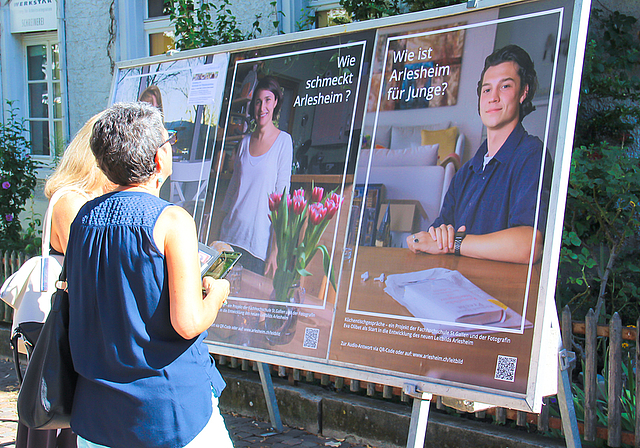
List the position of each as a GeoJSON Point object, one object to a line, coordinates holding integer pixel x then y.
{"type": "Point", "coordinates": [125, 141]}
{"type": "Point", "coordinates": [152, 92]}
{"type": "Point", "coordinates": [526, 71]}
{"type": "Point", "coordinates": [271, 84]}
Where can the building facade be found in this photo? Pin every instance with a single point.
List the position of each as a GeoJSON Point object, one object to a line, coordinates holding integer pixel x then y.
{"type": "Point", "coordinates": [57, 57]}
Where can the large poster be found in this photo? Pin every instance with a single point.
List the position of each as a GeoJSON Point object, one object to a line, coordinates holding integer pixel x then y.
{"type": "Point", "coordinates": [394, 192]}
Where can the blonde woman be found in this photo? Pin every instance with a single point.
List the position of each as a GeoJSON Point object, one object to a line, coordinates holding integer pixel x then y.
{"type": "Point", "coordinates": [76, 180]}
{"type": "Point", "coordinates": [80, 178]}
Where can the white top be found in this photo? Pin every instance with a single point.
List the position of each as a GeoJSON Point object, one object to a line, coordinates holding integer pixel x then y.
{"type": "Point", "coordinates": [246, 203]}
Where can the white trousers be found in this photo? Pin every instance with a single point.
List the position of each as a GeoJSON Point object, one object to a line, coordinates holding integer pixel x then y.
{"type": "Point", "coordinates": [213, 434]}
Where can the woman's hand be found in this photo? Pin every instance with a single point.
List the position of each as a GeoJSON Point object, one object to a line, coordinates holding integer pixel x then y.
{"type": "Point", "coordinates": [216, 290]}
{"type": "Point", "coordinates": [176, 237]}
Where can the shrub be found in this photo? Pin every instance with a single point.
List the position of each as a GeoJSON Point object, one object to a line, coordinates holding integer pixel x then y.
{"type": "Point", "coordinates": [195, 28]}
{"type": "Point", "coordinates": [17, 179]}
{"type": "Point", "coordinates": [600, 264]}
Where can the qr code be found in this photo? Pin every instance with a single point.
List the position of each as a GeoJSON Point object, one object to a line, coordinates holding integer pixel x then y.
{"type": "Point", "coordinates": [506, 368]}
{"type": "Point", "coordinates": [311, 338]}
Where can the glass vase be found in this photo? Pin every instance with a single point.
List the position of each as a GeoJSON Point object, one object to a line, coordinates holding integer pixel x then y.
{"type": "Point", "coordinates": [281, 320]}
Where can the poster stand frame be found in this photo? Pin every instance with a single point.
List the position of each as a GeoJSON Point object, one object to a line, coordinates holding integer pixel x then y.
{"type": "Point", "coordinates": [580, 14]}
{"type": "Point", "coordinates": [422, 401]}
{"type": "Point", "coordinates": [270, 396]}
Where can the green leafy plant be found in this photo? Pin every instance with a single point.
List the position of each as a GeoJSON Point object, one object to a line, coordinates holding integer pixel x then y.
{"type": "Point", "coordinates": [610, 87]}
{"type": "Point", "coordinates": [374, 9]}
{"type": "Point", "coordinates": [420, 5]}
{"type": "Point", "coordinates": [195, 26]}
{"type": "Point", "coordinates": [371, 9]}
{"type": "Point", "coordinates": [17, 178]}
{"type": "Point", "coordinates": [307, 19]}
{"type": "Point", "coordinates": [32, 235]}
{"type": "Point", "coordinates": [599, 264]}
{"type": "Point", "coordinates": [602, 217]}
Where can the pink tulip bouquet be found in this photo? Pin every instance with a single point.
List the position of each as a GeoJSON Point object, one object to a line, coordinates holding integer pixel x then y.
{"type": "Point", "coordinates": [288, 216]}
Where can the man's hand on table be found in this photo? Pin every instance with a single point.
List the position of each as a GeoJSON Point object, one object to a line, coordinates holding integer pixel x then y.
{"type": "Point", "coordinates": [438, 240]}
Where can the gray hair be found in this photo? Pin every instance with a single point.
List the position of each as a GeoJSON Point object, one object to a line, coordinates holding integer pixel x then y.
{"type": "Point", "coordinates": [125, 141]}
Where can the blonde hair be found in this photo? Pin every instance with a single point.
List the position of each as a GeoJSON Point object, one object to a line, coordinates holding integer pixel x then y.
{"type": "Point", "coordinates": [78, 168]}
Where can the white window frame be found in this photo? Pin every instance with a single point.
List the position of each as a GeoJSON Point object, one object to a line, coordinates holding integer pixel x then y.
{"type": "Point", "coordinates": [48, 39]}
{"type": "Point", "coordinates": [155, 25]}
{"type": "Point", "coordinates": [324, 5]}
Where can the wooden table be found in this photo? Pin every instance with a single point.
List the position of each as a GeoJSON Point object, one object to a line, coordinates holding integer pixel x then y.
{"type": "Point", "coordinates": [505, 282]}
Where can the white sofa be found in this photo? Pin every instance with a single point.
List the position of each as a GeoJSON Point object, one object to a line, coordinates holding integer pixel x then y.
{"type": "Point", "coordinates": [410, 170]}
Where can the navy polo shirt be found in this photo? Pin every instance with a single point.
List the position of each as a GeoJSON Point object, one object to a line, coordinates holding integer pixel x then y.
{"type": "Point", "coordinates": [502, 195]}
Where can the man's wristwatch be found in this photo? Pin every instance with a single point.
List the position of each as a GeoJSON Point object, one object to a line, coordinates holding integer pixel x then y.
{"type": "Point", "coordinates": [457, 242]}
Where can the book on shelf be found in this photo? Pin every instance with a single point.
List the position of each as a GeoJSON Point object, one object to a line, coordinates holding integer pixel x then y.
{"type": "Point", "coordinates": [375, 196]}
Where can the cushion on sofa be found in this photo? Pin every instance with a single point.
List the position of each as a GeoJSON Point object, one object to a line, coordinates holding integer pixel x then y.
{"type": "Point", "coordinates": [411, 136]}
{"type": "Point", "coordinates": [420, 183]}
{"type": "Point", "coordinates": [446, 138]}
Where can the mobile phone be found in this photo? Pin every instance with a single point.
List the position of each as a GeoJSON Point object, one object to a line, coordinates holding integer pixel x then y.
{"type": "Point", "coordinates": [223, 264]}
{"type": "Point", "coordinates": [207, 256]}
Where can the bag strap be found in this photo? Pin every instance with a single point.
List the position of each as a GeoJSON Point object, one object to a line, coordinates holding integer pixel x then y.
{"type": "Point", "coordinates": [63, 273]}
{"type": "Point", "coordinates": [16, 356]}
{"type": "Point", "coordinates": [46, 227]}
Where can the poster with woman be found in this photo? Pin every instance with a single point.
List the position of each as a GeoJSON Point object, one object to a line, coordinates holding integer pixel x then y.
{"type": "Point", "coordinates": [277, 191]}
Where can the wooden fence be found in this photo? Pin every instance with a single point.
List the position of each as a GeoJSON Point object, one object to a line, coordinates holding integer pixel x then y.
{"type": "Point", "coordinates": [10, 263]}
{"type": "Point", "coordinates": [608, 405]}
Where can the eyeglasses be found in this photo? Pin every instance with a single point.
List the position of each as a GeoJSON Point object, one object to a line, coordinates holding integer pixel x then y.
{"type": "Point", "coordinates": [173, 138]}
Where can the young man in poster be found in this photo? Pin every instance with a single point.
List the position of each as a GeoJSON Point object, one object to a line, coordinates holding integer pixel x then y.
{"type": "Point", "coordinates": [489, 210]}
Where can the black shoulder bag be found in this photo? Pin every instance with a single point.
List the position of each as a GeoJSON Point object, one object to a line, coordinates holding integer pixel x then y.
{"type": "Point", "coordinates": [46, 394]}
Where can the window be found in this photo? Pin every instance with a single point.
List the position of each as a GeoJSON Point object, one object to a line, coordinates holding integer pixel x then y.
{"type": "Point", "coordinates": [158, 28]}
{"type": "Point", "coordinates": [44, 95]}
{"type": "Point", "coordinates": [155, 8]}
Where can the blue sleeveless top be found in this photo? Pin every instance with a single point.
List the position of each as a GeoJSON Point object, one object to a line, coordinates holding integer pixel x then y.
{"type": "Point", "coordinates": [140, 383]}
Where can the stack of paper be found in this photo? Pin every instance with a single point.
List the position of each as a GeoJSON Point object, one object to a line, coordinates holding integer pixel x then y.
{"type": "Point", "coordinates": [447, 299]}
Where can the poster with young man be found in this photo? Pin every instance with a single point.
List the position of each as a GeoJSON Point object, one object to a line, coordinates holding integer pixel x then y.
{"type": "Point", "coordinates": [461, 119]}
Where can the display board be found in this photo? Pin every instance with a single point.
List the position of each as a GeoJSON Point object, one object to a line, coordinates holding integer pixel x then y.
{"type": "Point", "coordinates": [327, 155]}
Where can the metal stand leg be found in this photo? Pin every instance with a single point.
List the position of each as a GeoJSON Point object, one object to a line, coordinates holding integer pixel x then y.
{"type": "Point", "coordinates": [270, 396]}
{"type": "Point", "coordinates": [565, 401]}
{"type": "Point", "coordinates": [419, 416]}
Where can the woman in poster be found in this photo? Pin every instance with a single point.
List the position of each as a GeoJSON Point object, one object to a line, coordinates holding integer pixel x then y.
{"type": "Point", "coordinates": [262, 166]}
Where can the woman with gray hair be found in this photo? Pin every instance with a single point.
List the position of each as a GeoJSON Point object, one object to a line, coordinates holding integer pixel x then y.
{"type": "Point", "coordinates": [138, 315]}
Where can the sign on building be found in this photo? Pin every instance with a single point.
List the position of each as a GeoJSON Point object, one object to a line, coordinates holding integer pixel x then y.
{"type": "Point", "coordinates": [33, 15]}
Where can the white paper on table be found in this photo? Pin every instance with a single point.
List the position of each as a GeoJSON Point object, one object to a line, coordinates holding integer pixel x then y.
{"type": "Point", "coordinates": [450, 301]}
